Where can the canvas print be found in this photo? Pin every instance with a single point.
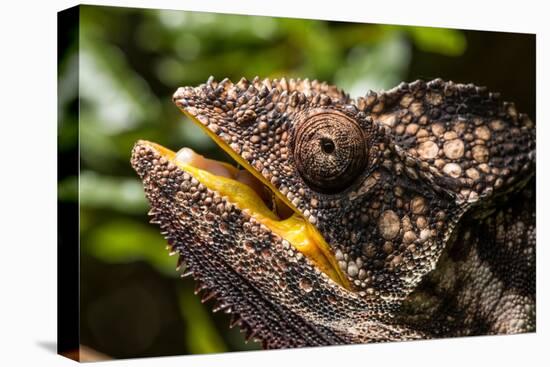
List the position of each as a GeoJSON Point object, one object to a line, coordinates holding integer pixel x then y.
{"type": "Point", "coordinates": [234, 182]}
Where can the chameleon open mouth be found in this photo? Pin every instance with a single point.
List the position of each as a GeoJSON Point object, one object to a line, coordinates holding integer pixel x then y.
{"type": "Point", "coordinates": [251, 193]}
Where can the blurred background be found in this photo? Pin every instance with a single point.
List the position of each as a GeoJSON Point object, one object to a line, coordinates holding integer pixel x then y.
{"type": "Point", "coordinates": [130, 61]}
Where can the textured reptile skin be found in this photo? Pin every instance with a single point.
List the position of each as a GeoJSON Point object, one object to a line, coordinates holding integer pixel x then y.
{"type": "Point", "coordinates": [430, 215]}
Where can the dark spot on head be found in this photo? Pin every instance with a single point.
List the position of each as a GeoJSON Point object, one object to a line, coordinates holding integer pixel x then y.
{"type": "Point", "coordinates": [327, 145]}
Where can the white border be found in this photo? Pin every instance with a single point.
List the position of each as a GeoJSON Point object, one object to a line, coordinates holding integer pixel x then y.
{"type": "Point", "coordinates": [28, 181]}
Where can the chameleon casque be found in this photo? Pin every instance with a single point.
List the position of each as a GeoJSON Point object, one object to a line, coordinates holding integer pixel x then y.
{"type": "Point", "coordinates": [404, 214]}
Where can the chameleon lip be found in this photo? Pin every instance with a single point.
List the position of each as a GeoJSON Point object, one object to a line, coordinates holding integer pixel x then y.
{"type": "Point", "coordinates": [187, 156]}
{"type": "Point", "coordinates": [222, 178]}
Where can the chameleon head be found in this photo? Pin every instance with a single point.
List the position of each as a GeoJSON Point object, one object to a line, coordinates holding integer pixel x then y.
{"type": "Point", "coordinates": [337, 215]}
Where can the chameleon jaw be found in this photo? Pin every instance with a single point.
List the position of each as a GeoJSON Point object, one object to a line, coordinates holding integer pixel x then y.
{"type": "Point", "coordinates": [295, 229]}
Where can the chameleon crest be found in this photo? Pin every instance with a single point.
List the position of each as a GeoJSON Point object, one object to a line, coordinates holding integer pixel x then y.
{"type": "Point", "coordinates": [399, 215]}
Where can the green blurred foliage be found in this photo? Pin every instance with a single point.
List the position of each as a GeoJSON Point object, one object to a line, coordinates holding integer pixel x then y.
{"type": "Point", "coordinates": [444, 41]}
{"type": "Point", "coordinates": [131, 61]}
{"type": "Point", "coordinates": [112, 241]}
{"type": "Point", "coordinates": [201, 336]}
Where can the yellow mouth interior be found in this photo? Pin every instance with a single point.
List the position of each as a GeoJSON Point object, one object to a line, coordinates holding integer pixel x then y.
{"type": "Point", "coordinates": [301, 234]}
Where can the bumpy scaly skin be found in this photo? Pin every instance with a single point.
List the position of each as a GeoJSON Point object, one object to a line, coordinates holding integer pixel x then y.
{"type": "Point", "coordinates": [484, 283]}
{"type": "Point", "coordinates": [434, 226]}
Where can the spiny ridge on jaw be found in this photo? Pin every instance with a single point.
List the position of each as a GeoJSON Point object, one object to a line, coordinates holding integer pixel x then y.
{"type": "Point", "coordinates": [209, 292]}
{"type": "Point", "coordinates": [174, 215]}
{"type": "Point", "coordinates": [223, 299]}
{"type": "Point", "coordinates": [221, 303]}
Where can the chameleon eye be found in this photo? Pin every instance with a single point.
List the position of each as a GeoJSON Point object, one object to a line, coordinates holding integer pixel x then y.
{"type": "Point", "coordinates": [330, 151]}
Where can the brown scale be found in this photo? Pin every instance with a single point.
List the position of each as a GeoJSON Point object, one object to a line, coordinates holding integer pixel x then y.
{"type": "Point", "coordinates": [405, 186]}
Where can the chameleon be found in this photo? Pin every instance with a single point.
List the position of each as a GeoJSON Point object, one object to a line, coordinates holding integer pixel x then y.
{"type": "Point", "coordinates": [399, 215]}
